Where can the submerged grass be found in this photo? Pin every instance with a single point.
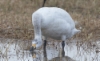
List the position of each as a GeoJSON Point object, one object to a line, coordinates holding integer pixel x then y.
{"type": "Point", "coordinates": [15, 17]}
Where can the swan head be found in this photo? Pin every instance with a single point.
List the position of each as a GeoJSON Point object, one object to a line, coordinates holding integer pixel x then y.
{"type": "Point", "coordinates": [36, 44]}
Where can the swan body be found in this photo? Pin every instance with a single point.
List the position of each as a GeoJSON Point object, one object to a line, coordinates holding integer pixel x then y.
{"type": "Point", "coordinates": [54, 23]}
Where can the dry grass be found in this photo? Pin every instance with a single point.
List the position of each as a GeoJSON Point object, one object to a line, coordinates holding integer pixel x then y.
{"type": "Point", "coordinates": [15, 17]}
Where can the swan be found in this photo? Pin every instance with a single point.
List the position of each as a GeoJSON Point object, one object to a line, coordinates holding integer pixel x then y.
{"type": "Point", "coordinates": [52, 22]}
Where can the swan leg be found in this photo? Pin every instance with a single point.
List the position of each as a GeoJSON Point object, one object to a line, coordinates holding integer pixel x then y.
{"type": "Point", "coordinates": [43, 3]}
{"type": "Point", "coordinates": [63, 45]}
{"type": "Point", "coordinates": [44, 48]}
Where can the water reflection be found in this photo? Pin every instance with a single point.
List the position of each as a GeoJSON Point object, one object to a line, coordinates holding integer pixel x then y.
{"type": "Point", "coordinates": [12, 49]}
{"type": "Point", "coordinates": [51, 56]}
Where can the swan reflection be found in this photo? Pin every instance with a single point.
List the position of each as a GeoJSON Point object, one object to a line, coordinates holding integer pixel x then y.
{"type": "Point", "coordinates": [53, 53]}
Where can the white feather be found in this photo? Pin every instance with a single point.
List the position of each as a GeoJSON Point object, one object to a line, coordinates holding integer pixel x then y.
{"type": "Point", "coordinates": [54, 23]}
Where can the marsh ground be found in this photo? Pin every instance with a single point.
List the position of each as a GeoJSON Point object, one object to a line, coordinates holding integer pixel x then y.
{"type": "Point", "coordinates": [18, 50]}
{"type": "Point", "coordinates": [15, 17]}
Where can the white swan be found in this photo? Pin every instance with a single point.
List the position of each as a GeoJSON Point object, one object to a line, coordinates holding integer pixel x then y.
{"type": "Point", "coordinates": [54, 23]}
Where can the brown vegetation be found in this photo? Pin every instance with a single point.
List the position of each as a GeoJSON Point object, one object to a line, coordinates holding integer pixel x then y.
{"type": "Point", "coordinates": [15, 17]}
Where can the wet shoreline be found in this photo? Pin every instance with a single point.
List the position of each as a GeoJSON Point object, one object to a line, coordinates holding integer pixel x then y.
{"type": "Point", "coordinates": [18, 50]}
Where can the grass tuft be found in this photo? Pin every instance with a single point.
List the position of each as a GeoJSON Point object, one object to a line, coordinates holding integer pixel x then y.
{"type": "Point", "coordinates": [15, 17]}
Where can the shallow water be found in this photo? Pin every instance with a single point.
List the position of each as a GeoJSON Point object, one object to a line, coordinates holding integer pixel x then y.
{"type": "Point", "coordinates": [18, 50]}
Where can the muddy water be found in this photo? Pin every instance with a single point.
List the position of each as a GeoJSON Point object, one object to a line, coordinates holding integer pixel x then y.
{"type": "Point", "coordinates": [18, 50]}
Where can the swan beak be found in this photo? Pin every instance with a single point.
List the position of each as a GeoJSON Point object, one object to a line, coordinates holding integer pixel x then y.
{"type": "Point", "coordinates": [34, 46]}
{"type": "Point", "coordinates": [34, 56]}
